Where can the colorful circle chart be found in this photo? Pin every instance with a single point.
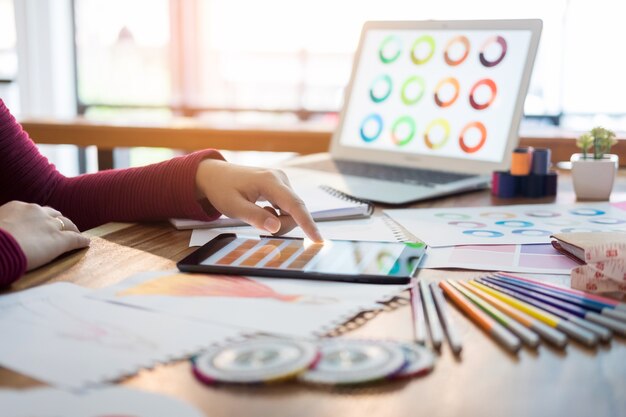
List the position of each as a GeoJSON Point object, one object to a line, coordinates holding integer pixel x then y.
{"type": "Point", "coordinates": [437, 134]}
{"type": "Point", "coordinates": [470, 129]}
{"type": "Point", "coordinates": [532, 232]}
{"type": "Point", "coordinates": [578, 230]}
{"type": "Point", "coordinates": [607, 220]}
{"type": "Point", "coordinates": [449, 88]}
{"type": "Point", "coordinates": [390, 49]}
{"type": "Point", "coordinates": [457, 50]}
{"type": "Point", "coordinates": [381, 88]}
{"type": "Point", "coordinates": [478, 91]}
{"type": "Point", "coordinates": [488, 46]}
{"type": "Point", "coordinates": [543, 213]}
{"type": "Point", "coordinates": [483, 233]}
{"type": "Point", "coordinates": [412, 90]}
{"type": "Point", "coordinates": [453, 216]}
{"type": "Point", "coordinates": [467, 224]}
{"type": "Point", "coordinates": [587, 212]}
{"type": "Point", "coordinates": [498, 215]}
{"type": "Point", "coordinates": [423, 50]}
{"type": "Point", "coordinates": [403, 130]}
{"type": "Point", "coordinates": [371, 127]}
{"type": "Point", "coordinates": [514, 223]}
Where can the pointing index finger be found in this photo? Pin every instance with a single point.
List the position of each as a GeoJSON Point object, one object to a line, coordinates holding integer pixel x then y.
{"type": "Point", "coordinates": [285, 198]}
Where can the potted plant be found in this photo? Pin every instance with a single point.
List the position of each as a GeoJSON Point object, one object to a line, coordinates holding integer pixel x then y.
{"type": "Point", "coordinates": [593, 170]}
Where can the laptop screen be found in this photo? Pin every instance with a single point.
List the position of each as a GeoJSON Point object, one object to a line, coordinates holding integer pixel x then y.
{"type": "Point", "coordinates": [438, 92]}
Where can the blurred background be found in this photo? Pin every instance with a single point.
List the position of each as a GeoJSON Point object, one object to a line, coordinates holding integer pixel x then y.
{"type": "Point", "coordinates": [271, 61]}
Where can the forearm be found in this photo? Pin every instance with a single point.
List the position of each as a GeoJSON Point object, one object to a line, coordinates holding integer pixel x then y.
{"type": "Point", "coordinates": [154, 192]}
{"type": "Point", "coordinates": [12, 259]}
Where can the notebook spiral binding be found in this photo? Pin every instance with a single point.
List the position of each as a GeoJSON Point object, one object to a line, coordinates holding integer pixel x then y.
{"type": "Point", "coordinates": [343, 196]}
{"type": "Point", "coordinates": [400, 234]}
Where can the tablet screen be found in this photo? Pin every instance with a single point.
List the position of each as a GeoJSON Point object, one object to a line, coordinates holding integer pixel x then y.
{"type": "Point", "coordinates": [330, 257]}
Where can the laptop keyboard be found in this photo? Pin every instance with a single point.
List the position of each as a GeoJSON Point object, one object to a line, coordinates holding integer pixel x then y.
{"type": "Point", "coordinates": [417, 176]}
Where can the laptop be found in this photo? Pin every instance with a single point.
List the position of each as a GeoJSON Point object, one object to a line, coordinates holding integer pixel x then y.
{"type": "Point", "coordinates": [431, 109]}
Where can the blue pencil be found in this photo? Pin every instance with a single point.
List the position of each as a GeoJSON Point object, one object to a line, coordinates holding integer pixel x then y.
{"type": "Point", "coordinates": [571, 306]}
{"type": "Point", "coordinates": [590, 337]}
{"type": "Point", "coordinates": [601, 307]}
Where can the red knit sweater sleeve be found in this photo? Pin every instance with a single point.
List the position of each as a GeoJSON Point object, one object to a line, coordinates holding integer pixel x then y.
{"type": "Point", "coordinates": [12, 259]}
{"type": "Point", "coordinates": [154, 192]}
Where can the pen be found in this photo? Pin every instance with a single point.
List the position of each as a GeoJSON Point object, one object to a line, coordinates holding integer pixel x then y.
{"type": "Point", "coordinates": [454, 339]}
{"type": "Point", "coordinates": [434, 326]}
{"type": "Point", "coordinates": [417, 310]}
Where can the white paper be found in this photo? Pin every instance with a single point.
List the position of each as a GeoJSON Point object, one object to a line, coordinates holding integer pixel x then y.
{"type": "Point", "coordinates": [506, 225]}
{"type": "Point", "coordinates": [112, 401]}
{"type": "Point", "coordinates": [542, 258]}
{"type": "Point", "coordinates": [58, 336]}
{"type": "Point", "coordinates": [373, 229]}
{"type": "Point", "coordinates": [302, 308]}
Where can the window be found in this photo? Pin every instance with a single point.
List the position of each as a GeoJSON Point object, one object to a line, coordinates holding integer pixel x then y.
{"type": "Point", "coordinates": [8, 54]}
{"type": "Point", "coordinates": [199, 57]}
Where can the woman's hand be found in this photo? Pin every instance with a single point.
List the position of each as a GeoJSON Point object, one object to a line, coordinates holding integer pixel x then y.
{"type": "Point", "coordinates": [233, 190]}
{"type": "Point", "coordinates": [42, 232]}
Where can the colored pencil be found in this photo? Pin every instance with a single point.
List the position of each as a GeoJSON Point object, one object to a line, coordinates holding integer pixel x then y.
{"type": "Point", "coordinates": [575, 332]}
{"type": "Point", "coordinates": [490, 326]}
{"type": "Point", "coordinates": [528, 337]}
{"type": "Point", "coordinates": [454, 339]}
{"type": "Point", "coordinates": [580, 323]}
{"type": "Point", "coordinates": [609, 301]}
{"type": "Point", "coordinates": [590, 304]}
{"type": "Point", "coordinates": [548, 333]}
{"type": "Point", "coordinates": [434, 326]}
{"type": "Point", "coordinates": [417, 310]}
{"type": "Point", "coordinates": [582, 312]}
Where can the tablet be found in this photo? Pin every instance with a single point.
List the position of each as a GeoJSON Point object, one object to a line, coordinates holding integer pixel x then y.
{"type": "Point", "coordinates": [333, 260]}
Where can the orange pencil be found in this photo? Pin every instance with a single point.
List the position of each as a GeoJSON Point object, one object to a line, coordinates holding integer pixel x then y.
{"type": "Point", "coordinates": [492, 327]}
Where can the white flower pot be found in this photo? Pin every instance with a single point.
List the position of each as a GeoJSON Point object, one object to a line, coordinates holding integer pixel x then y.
{"type": "Point", "coordinates": [593, 178]}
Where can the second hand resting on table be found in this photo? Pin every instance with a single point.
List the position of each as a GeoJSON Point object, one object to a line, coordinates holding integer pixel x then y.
{"type": "Point", "coordinates": [44, 234]}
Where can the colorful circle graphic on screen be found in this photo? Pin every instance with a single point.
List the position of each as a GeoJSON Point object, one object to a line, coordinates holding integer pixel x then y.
{"type": "Point", "coordinates": [381, 88]}
{"type": "Point", "coordinates": [474, 225]}
{"type": "Point", "coordinates": [403, 130]}
{"type": "Point", "coordinates": [483, 233]}
{"type": "Point", "coordinates": [607, 220]}
{"type": "Point", "coordinates": [532, 232]}
{"type": "Point", "coordinates": [437, 134]}
{"type": "Point", "coordinates": [488, 47]}
{"type": "Point", "coordinates": [371, 127]}
{"type": "Point", "coordinates": [476, 92]}
{"type": "Point", "coordinates": [423, 50]}
{"type": "Point", "coordinates": [587, 212]}
{"type": "Point", "coordinates": [453, 216]}
{"type": "Point", "coordinates": [413, 90]}
{"type": "Point", "coordinates": [542, 213]}
{"type": "Point", "coordinates": [452, 54]}
{"type": "Point", "coordinates": [448, 88]}
{"type": "Point", "coordinates": [473, 127]}
{"type": "Point", "coordinates": [514, 223]}
{"type": "Point", "coordinates": [390, 49]}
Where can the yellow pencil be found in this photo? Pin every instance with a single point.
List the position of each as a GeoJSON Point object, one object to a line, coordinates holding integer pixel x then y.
{"type": "Point", "coordinates": [551, 320]}
{"type": "Point", "coordinates": [546, 332]}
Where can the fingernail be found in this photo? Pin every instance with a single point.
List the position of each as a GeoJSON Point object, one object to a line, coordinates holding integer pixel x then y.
{"type": "Point", "coordinates": [272, 224]}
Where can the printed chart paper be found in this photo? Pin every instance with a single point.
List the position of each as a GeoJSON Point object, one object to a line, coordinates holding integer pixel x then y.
{"type": "Point", "coordinates": [538, 259]}
{"type": "Point", "coordinates": [58, 336]}
{"type": "Point", "coordinates": [507, 225]}
{"type": "Point", "coordinates": [106, 402]}
{"type": "Point", "coordinates": [301, 308]}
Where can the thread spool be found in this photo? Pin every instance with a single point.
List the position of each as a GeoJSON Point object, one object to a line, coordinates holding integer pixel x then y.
{"type": "Point", "coordinates": [521, 161]}
{"type": "Point", "coordinates": [541, 161]}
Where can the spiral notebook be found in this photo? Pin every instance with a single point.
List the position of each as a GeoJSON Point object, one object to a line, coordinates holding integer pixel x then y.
{"type": "Point", "coordinates": [324, 203]}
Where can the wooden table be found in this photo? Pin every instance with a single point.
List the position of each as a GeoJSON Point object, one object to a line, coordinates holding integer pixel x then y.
{"type": "Point", "coordinates": [487, 380]}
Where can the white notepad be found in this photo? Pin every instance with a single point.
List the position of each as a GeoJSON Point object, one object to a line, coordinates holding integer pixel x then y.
{"type": "Point", "coordinates": [323, 202]}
